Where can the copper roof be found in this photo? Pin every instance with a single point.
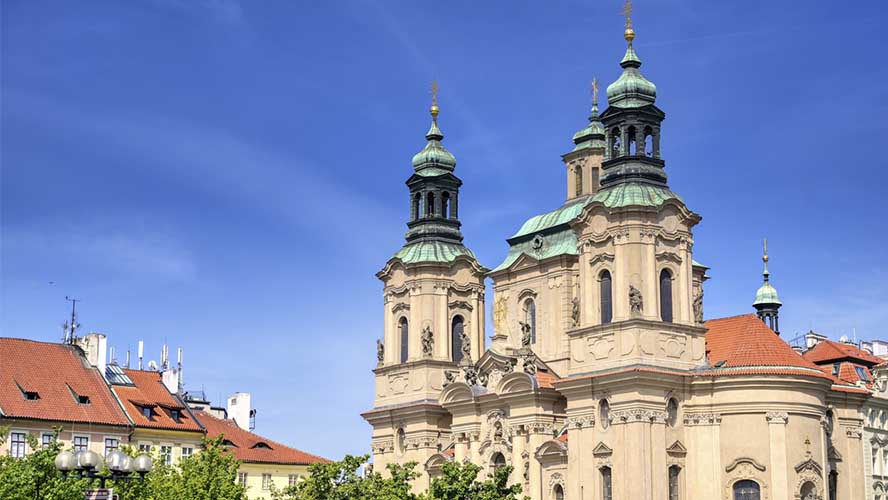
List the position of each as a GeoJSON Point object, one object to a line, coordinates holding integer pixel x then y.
{"type": "Point", "coordinates": [253, 448]}
{"type": "Point", "coordinates": [57, 373]}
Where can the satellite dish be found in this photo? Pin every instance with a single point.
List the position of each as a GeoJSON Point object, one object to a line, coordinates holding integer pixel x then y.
{"type": "Point", "coordinates": [152, 365]}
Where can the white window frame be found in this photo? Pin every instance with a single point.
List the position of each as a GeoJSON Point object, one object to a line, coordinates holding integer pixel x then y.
{"type": "Point", "coordinates": [105, 444]}
{"type": "Point", "coordinates": [76, 436]}
{"type": "Point", "coordinates": [183, 455]}
{"type": "Point", "coordinates": [242, 478]}
{"type": "Point", "coordinates": [266, 481]}
{"type": "Point", "coordinates": [44, 435]}
{"type": "Point", "coordinates": [24, 443]}
{"type": "Point", "coordinates": [168, 457]}
{"type": "Point", "coordinates": [293, 479]}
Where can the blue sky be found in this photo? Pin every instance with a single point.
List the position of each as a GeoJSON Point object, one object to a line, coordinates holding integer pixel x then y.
{"type": "Point", "coordinates": [227, 176]}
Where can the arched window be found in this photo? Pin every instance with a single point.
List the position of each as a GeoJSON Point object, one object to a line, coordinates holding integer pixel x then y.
{"type": "Point", "coordinates": [632, 147]}
{"type": "Point", "coordinates": [607, 304]}
{"type": "Point", "coordinates": [607, 486]}
{"type": "Point", "coordinates": [456, 332]}
{"type": "Point", "coordinates": [497, 461]}
{"type": "Point", "coordinates": [430, 205]}
{"type": "Point", "coordinates": [445, 205]}
{"type": "Point", "coordinates": [648, 142]}
{"type": "Point", "coordinates": [672, 412]}
{"type": "Point", "coordinates": [808, 491]}
{"type": "Point", "coordinates": [596, 182]}
{"type": "Point", "coordinates": [530, 315]}
{"type": "Point", "coordinates": [416, 210]}
{"type": "Point", "coordinates": [616, 142]}
{"type": "Point", "coordinates": [747, 490]}
{"type": "Point", "coordinates": [578, 181]}
{"type": "Point", "coordinates": [666, 295]}
{"type": "Point", "coordinates": [558, 492]}
{"type": "Point", "coordinates": [402, 441]}
{"type": "Point", "coordinates": [604, 413]}
{"type": "Point", "coordinates": [404, 339]}
{"type": "Point", "coordinates": [674, 491]}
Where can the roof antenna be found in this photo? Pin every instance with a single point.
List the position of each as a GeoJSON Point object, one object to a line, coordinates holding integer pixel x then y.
{"type": "Point", "coordinates": [71, 328]}
{"type": "Point", "coordinates": [141, 352]}
{"type": "Point", "coordinates": [127, 359]}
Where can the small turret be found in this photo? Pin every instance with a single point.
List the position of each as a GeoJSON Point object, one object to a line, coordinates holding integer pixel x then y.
{"type": "Point", "coordinates": [766, 301]}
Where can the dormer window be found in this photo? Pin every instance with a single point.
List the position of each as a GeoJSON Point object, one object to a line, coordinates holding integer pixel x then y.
{"type": "Point", "coordinates": [228, 443]}
{"type": "Point", "coordinates": [262, 446]}
{"type": "Point", "coordinates": [148, 412]}
{"type": "Point", "coordinates": [836, 368]}
{"type": "Point", "coordinates": [84, 400]}
{"type": "Point", "coordinates": [31, 395]}
{"type": "Point", "coordinates": [861, 372]}
{"type": "Point", "coordinates": [176, 415]}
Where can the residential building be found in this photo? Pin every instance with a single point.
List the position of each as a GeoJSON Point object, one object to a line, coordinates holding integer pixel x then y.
{"type": "Point", "coordinates": [264, 463]}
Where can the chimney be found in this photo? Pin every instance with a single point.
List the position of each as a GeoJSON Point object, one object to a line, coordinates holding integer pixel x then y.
{"type": "Point", "coordinates": [95, 347]}
{"type": "Point", "coordinates": [172, 377]}
{"type": "Point", "coordinates": [239, 409]}
{"type": "Point", "coordinates": [127, 359]}
{"type": "Point", "coordinates": [141, 353]}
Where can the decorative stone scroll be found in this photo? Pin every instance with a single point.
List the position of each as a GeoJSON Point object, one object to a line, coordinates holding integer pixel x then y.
{"type": "Point", "coordinates": [638, 415]}
{"type": "Point", "coordinates": [581, 421]}
{"type": "Point", "coordinates": [691, 419]}
{"type": "Point", "coordinates": [777, 417]}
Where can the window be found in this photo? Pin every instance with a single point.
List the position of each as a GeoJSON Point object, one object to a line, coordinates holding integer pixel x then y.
{"type": "Point", "coordinates": [674, 472]}
{"type": "Point", "coordinates": [430, 205]}
{"type": "Point", "coordinates": [187, 452]}
{"type": "Point", "coordinates": [176, 415]}
{"type": "Point", "coordinates": [47, 439]}
{"type": "Point", "coordinates": [266, 482]}
{"type": "Point", "coordinates": [242, 479]}
{"type": "Point", "coordinates": [166, 454]}
{"type": "Point", "coordinates": [861, 372]}
{"type": "Point", "coordinates": [497, 461]}
{"type": "Point", "coordinates": [145, 448]}
{"type": "Point", "coordinates": [808, 492]}
{"type": "Point", "coordinates": [404, 339]}
{"type": "Point", "coordinates": [607, 487]}
{"type": "Point", "coordinates": [578, 181]}
{"type": "Point", "coordinates": [747, 490]}
{"type": "Point", "coordinates": [666, 296]}
{"type": "Point", "coordinates": [836, 368]}
{"type": "Point", "coordinates": [530, 319]}
{"type": "Point", "coordinates": [292, 479]}
{"type": "Point", "coordinates": [148, 412]}
{"type": "Point", "coordinates": [875, 460]}
{"type": "Point", "coordinates": [672, 412]}
{"type": "Point", "coordinates": [607, 307]}
{"type": "Point", "coordinates": [604, 413]}
{"type": "Point", "coordinates": [402, 441]}
{"type": "Point", "coordinates": [633, 144]}
{"type": "Point", "coordinates": [558, 492]}
{"type": "Point", "coordinates": [416, 210]}
{"type": "Point", "coordinates": [17, 444]}
{"type": "Point", "coordinates": [456, 334]}
{"type": "Point", "coordinates": [445, 206]}
{"type": "Point", "coordinates": [111, 444]}
{"type": "Point", "coordinates": [81, 443]}
{"type": "Point", "coordinates": [30, 395]}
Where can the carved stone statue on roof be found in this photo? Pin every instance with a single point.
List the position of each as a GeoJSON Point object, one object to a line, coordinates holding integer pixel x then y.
{"type": "Point", "coordinates": [428, 341]}
{"type": "Point", "coordinates": [636, 302]}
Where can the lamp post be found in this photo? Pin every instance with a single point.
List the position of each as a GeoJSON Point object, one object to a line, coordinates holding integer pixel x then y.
{"type": "Point", "coordinates": [87, 464]}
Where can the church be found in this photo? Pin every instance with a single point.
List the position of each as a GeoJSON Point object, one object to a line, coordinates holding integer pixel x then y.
{"type": "Point", "coordinates": [601, 379]}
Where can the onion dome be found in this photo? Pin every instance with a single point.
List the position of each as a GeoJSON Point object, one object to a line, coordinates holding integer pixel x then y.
{"type": "Point", "coordinates": [593, 135]}
{"type": "Point", "coordinates": [631, 90]}
{"type": "Point", "coordinates": [766, 294]}
{"type": "Point", "coordinates": [434, 159]}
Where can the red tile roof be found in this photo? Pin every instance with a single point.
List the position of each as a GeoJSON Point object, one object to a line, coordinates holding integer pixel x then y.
{"type": "Point", "coordinates": [827, 350]}
{"type": "Point", "coordinates": [244, 444]}
{"type": "Point", "coordinates": [149, 391]}
{"type": "Point", "coordinates": [545, 380]}
{"type": "Point", "coordinates": [563, 438]}
{"type": "Point", "coordinates": [55, 372]}
{"type": "Point", "coordinates": [746, 343]}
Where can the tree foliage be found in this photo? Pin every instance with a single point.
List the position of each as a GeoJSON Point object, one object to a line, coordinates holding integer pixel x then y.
{"type": "Point", "coordinates": [460, 482]}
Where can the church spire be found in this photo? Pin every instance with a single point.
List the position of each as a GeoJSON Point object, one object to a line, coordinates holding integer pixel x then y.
{"type": "Point", "coordinates": [766, 301]}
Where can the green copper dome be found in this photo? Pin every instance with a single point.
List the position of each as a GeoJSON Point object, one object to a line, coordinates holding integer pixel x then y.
{"type": "Point", "coordinates": [434, 159]}
{"type": "Point", "coordinates": [631, 90]}
{"type": "Point", "coordinates": [767, 294]}
{"type": "Point", "coordinates": [593, 135]}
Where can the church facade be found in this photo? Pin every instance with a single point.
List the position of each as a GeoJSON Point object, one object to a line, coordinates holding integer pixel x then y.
{"type": "Point", "coordinates": [602, 380]}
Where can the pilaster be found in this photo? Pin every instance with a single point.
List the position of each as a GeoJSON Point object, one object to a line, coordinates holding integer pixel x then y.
{"type": "Point", "coordinates": [777, 441]}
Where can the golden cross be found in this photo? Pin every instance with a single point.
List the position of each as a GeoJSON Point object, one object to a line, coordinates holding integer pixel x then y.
{"type": "Point", "coordinates": [627, 11]}
{"type": "Point", "coordinates": [434, 92]}
{"type": "Point", "coordinates": [595, 91]}
{"type": "Point", "coordinates": [808, 446]}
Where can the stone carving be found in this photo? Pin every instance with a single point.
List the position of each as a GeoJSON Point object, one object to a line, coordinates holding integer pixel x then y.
{"type": "Point", "coordinates": [702, 419]}
{"type": "Point", "coordinates": [450, 377]}
{"type": "Point", "coordinates": [777, 417]}
{"type": "Point", "coordinates": [529, 364]}
{"type": "Point", "coordinates": [525, 333]}
{"type": "Point", "coordinates": [581, 421]}
{"type": "Point", "coordinates": [428, 341]}
{"type": "Point", "coordinates": [636, 302]}
{"type": "Point", "coordinates": [638, 415]}
{"type": "Point", "coordinates": [526, 459]}
{"type": "Point", "coordinates": [575, 311]}
{"type": "Point", "coordinates": [473, 375]}
{"type": "Point", "coordinates": [465, 345]}
{"type": "Point", "coordinates": [380, 351]}
{"type": "Point", "coordinates": [698, 307]}
{"type": "Point", "coordinates": [500, 309]}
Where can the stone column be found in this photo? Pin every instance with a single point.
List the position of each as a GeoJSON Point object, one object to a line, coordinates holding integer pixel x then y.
{"type": "Point", "coordinates": [475, 447]}
{"type": "Point", "coordinates": [454, 214]}
{"type": "Point", "coordinates": [587, 305]}
{"type": "Point", "coordinates": [619, 283]}
{"type": "Point", "coordinates": [650, 276]}
{"type": "Point", "coordinates": [777, 433]}
{"type": "Point", "coordinates": [624, 142]}
{"type": "Point", "coordinates": [461, 449]}
{"type": "Point", "coordinates": [388, 335]}
{"type": "Point", "coordinates": [639, 140]}
{"type": "Point", "coordinates": [656, 142]}
{"type": "Point", "coordinates": [658, 444]}
{"type": "Point", "coordinates": [442, 336]}
{"type": "Point", "coordinates": [538, 434]}
{"type": "Point", "coordinates": [519, 444]}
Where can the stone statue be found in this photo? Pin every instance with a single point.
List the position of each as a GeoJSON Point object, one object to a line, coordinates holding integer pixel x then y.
{"type": "Point", "coordinates": [428, 341]}
{"type": "Point", "coordinates": [380, 351]}
{"type": "Point", "coordinates": [465, 344]}
{"type": "Point", "coordinates": [500, 309]}
{"type": "Point", "coordinates": [636, 302]}
{"type": "Point", "coordinates": [525, 334]}
{"type": "Point", "coordinates": [575, 311]}
{"type": "Point", "coordinates": [698, 306]}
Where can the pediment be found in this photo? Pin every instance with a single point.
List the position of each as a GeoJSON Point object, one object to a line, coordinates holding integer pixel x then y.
{"type": "Point", "coordinates": [810, 465]}
{"type": "Point", "coordinates": [745, 460]}
{"type": "Point", "coordinates": [524, 261]}
{"type": "Point", "coordinates": [677, 449]}
{"type": "Point", "coordinates": [602, 450]}
{"type": "Point", "coordinates": [456, 392]}
{"type": "Point", "coordinates": [552, 449]}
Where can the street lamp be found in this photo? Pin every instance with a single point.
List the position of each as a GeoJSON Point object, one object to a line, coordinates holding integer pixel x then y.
{"type": "Point", "coordinates": [87, 464]}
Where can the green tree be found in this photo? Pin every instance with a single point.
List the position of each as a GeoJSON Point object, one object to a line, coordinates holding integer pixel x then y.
{"type": "Point", "coordinates": [460, 482]}
{"type": "Point", "coordinates": [343, 481]}
{"type": "Point", "coordinates": [34, 476]}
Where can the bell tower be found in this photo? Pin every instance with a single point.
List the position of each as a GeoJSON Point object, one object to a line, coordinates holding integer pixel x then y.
{"type": "Point", "coordinates": [637, 293]}
{"type": "Point", "coordinates": [767, 304]}
{"type": "Point", "coordinates": [433, 290]}
{"type": "Point", "coordinates": [584, 161]}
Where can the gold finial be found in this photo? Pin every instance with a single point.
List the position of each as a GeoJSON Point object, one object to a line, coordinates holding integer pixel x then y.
{"type": "Point", "coordinates": [434, 110]}
{"type": "Point", "coordinates": [629, 34]}
{"type": "Point", "coordinates": [765, 249]}
{"type": "Point", "coordinates": [595, 91]}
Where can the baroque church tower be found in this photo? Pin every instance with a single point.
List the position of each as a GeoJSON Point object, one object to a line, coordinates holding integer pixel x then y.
{"type": "Point", "coordinates": [434, 311]}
